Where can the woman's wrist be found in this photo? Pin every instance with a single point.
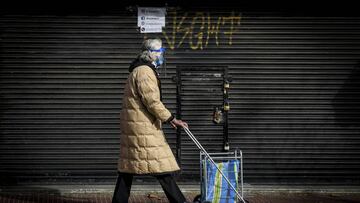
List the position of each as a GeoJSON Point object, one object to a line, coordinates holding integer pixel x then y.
{"type": "Point", "coordinates": [171, 119]}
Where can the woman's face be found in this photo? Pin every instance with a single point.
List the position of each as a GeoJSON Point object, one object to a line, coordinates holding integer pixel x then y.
{"type": "Point", "coordinates": [154, 54]}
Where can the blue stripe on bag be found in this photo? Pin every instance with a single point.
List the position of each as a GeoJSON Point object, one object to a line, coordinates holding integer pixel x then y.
{"type": "Point", "coordinates": [211, 174]}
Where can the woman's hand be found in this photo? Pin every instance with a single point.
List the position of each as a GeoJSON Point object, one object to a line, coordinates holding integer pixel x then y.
{"type": "Point", "coordinates": [175, 122]}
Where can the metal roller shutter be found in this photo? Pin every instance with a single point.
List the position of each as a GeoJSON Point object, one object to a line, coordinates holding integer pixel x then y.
{"type": "Point", "coordinates": [62, 79]}
{"type": "Point", "coordinates": [294, 95]}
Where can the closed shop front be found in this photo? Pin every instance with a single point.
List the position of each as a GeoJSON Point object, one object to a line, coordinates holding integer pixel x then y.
{"type": "Point", "coordinates": [293, 96]}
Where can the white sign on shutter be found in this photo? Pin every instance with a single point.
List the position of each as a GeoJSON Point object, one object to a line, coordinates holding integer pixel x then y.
{"type": "Point", "coordinates": [151, 19]}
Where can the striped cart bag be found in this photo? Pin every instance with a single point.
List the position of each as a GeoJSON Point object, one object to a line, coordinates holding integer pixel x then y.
{"type": "Point", "coordinates": [215, 188]}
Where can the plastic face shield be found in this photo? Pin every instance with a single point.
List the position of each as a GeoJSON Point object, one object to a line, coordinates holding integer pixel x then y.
{"type": "Point", "coordinates": [160, 59]}
{"type": "Point", "coordinates": [162, 49]}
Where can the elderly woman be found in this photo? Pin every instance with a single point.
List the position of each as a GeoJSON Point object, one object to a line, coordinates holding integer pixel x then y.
{"type": "Point", "coordinates": [143, 147]}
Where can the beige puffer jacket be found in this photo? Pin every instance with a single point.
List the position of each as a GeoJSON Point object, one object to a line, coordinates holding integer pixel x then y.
{"type": "Point", "coordinates": [143, 148]}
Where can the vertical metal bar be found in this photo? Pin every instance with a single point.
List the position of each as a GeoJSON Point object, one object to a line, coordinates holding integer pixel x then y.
{"type": "Point", "coordinates": [178, 114]}
{"type": "Point", "coordinates": [201, 170]}
{"type": "Point", "coordinates": [226, 119]}
{"type": "Point", "coordinates": [242, 174]}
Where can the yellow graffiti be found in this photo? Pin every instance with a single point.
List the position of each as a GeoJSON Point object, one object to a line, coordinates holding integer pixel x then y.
{"type": "Point", "coordinates": [197, 29]}
{"type": "Point", "coordinates": [179, 29]}
{"type": "Point", "coordinates": [199, 36]}
{"type": "Point", "coordinates": [213, 29]}
{"type": "Point", "coordinates": [231, 19]}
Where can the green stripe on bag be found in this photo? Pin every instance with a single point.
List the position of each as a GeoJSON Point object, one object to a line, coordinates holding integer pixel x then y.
{"type": "Point", "coordinates": [217, 185]}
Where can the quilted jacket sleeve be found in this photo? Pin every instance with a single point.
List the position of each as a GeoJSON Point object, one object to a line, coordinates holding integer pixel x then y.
{"type": "Point", "coordinates": [148, 89]}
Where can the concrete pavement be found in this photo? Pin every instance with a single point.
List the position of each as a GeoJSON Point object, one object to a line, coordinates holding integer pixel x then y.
{"type": "Point", "coordinates": [152, 193]}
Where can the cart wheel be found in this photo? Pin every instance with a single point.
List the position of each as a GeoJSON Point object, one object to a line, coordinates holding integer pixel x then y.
{"type": "Point", "coordinates": [197, 199]}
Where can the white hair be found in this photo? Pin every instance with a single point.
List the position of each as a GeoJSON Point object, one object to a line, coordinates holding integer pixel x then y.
{"type": "Point", "coordinates": [147, 45]}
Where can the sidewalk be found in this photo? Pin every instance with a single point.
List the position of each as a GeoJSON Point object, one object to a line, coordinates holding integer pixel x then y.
{"type": "Point", "coordinates": [154, 194]}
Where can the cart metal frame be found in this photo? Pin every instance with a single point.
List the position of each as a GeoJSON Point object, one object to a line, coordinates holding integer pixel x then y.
{"type": "Point", "coordinates": [222, 157]}
{"type": "Point", "coordinates": [207, 155]}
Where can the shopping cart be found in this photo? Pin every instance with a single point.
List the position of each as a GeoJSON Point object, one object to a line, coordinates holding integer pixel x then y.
{"type": "Point", "coordinates": [220, 179]}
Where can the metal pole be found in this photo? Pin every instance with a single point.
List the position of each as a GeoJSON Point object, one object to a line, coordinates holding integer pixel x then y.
{"type": "Point", "coordinates": [212, 161]}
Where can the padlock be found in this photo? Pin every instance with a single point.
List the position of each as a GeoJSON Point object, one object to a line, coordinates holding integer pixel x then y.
{"type": "Point", "coordinates": [226, 105]}
{"type": "Point", "coordinates": [217, 115]}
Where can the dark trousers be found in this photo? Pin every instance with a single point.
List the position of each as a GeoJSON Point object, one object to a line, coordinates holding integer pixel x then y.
{"type": "Point", "coordinates": [167, 182]}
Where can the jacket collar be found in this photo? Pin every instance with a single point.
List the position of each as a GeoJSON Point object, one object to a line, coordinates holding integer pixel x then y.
{"type": "Point", "coordinates": [139, 62]}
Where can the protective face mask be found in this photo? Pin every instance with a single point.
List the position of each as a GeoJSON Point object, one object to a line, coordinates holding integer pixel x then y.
{"type": "Point", "coordinates": [159, 59]}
